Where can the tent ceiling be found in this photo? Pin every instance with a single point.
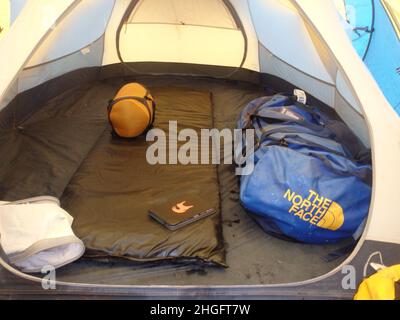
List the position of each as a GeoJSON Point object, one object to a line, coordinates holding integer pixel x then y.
{"type": "Point", "coordinates": [341, 6]}
{"type": "Point", "coordinates": [211, 13]}
{"type": "Point", "coordinates": [16, 8]}
{"type": "Point", "coordinates": [183, 44]}
{"type": "Point", "coordinates": [15, 54]}
{"type": "Point", "coordinates": [285, 35]}
{"type": "Point", "coordinates": [81, 27]}
{"type": "Point", "coordinates": [183, 31]}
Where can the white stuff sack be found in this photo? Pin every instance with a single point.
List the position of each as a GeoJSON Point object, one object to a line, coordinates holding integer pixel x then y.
{"type": "Point", "coordinates": [37, 232]}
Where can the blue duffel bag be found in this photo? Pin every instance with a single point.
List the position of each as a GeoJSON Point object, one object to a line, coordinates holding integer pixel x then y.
{"type": "Point", "coordinates": [312, 176]}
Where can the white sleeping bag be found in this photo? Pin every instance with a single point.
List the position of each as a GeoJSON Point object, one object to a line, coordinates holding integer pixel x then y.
{"type": "Point", "coordinates": [37, 233]}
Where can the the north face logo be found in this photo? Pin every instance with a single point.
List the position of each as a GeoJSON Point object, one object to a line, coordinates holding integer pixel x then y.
{"type": "Point", "coordinates": [315, 209]}
{"type": "Point", "coordinates": [181, 208]}
{"type": "Point", "coordinates": [333, 218]}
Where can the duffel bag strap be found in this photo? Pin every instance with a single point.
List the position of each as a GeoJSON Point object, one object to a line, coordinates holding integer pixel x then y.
{"type": "Point", "coordinates": [265, 133]}
{"type": "Point", "coordinates": [280, 117]}
{"type": "Point", "coordinates": [275, 117]}
{"type": "Point", "coordinates": [323, 133]}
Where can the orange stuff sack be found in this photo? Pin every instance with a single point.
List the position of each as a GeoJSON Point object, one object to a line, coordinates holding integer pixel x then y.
{"type": "Point", "coordinates": [132, 111]}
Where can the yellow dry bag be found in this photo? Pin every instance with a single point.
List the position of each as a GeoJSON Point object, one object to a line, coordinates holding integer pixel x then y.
{"type": "Point", "coordinates": [131, 112]}
{"type": "Point", "coordinates": [383, 285]}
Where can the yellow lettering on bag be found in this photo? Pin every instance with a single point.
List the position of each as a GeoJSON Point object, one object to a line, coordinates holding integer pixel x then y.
{"type": "Point", "coordinates": [312, 194]}
{"type": "Point", "coordinates": [297, 200]}
{"type": "Point", "coordinates": [293, 208]}
{"type": "Point", "coordinates": [314, 221]}
{"type": "Point", "coordinates": [305, 205]}
{"type": "Point", "coordinates": [316, 209]}
{"type": "Point", "coordinates": [327, 203]}
{"type": "Point", "coordinates": [299, 214]}
{"type": "Point", "coordinates": [307, 216]}
{"type": "Point", "coordinates": [289, 195]}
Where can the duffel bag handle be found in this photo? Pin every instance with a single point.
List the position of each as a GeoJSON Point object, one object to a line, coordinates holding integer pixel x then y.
{"type": "Point", "coordinates": [324, 133]}
{"type": "Point", "coordinates": [269, 115]}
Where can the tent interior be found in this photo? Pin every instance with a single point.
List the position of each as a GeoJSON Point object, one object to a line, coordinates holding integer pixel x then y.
{"type": "Point", "coordinates": [203, 61]}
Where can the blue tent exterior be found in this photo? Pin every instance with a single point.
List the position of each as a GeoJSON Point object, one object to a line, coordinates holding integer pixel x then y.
{"type": "Point", "coordinates": [377, 42]}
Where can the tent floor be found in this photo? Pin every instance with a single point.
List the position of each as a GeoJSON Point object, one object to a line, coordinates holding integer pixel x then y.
{"type": "Point", "coordinates": [253, 257]}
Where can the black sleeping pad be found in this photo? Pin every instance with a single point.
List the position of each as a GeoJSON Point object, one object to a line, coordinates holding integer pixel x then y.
{"type": "Point", "coordinates": [112, 191]}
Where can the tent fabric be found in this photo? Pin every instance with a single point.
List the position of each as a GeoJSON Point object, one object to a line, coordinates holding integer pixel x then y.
{"type": "Point", "coordinates": [89, 56]}
{"type": "Point", "coordinates": [381, 48]}
{"type": "Point", "coordinates": [16, 8]}
{"type": "Point", "coordinates": [18, 53]}
{"type": "Point", "coordinates": [233, 57]}
{"type": "Point", "coordinates": [275, 66]}
{"type": "Point", "coordinates": [300, 51]}
{"type": "Point", "coordinates": [4, 17]}
{"type": "Point", "coordinates": [89, 20]}
{"type": "Point", "coordinates": [252, 61]}
{"type": "Point", "coordinates": [182, 43]}
{"type": "Point", "coordinates": [202, 32]}
{"type": "Point", "coordinates": [341, 6]}
{"type": "Point", "coordinates": [358, 125]}
{"type": "Point", "coordinates": [207, 13]}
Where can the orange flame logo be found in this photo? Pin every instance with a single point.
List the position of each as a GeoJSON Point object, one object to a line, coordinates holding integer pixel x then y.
{"type": "Point", "coordinates": [181, 208]}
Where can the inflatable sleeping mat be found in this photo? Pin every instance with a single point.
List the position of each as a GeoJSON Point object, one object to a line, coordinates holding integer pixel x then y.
{"type": "Point", "coordinates": [115, 186]}
{"type": "Point", "coordinates": [66, 149]}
